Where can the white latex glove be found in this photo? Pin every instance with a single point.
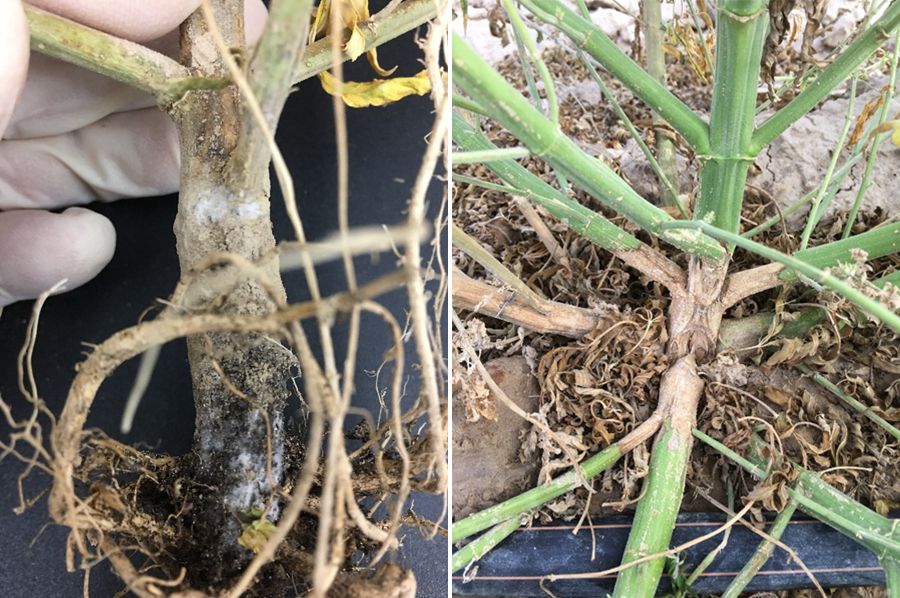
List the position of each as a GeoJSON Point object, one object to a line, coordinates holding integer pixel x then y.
{"type": "Point", "coordinates": [70, 136]}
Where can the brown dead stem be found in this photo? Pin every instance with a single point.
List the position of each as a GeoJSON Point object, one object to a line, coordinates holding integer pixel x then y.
{"type": "Point", "coordinates": [749, 282]}
{"type": "Point", "coordinates": [655, 266]}
{"type": "Point", "coordinates": [696, 313]}
{"type": "Point", "coordinates": [551, 318]}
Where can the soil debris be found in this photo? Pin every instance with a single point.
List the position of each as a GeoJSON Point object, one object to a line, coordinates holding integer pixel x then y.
{"type": "Point", "coordinates": [487, 467]}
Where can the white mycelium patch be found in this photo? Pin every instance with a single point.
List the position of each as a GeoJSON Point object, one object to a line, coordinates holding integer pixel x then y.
{"type": "Point", "coordinates": [250, 466]}
{"type": "Point", "coordinates": [213, 208]}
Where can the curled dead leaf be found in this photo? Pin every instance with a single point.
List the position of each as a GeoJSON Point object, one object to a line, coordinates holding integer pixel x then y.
{"type": "Point", "coordinates": [349, 14]}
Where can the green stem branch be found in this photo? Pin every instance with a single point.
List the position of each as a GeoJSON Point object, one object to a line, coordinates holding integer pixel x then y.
{"type": "Point", "coordinates": [281, 45]}
{"type": "Point", "coordinates": [489, 155]}
{"type": "Point", "coordinates": [836, 73]}
{"type": "Point", "coordinates": [582, 220]}
{"type": "Point", "coordinates": [853, 403]}
{"type": "Point", "coordinates": [544, 138]}
{"type": "Point", "coordinates": [762, 554]}
{"type": "Point", "coordinates": [590, 38]}
{"type": "Point", "coordinates": [119, 59]}
{"type": "Point", "coordinates": [536, 497]}
{"type": "Point", "coordinates": [740, 34]}
{"type": "Point", "coordinates": [818, 207]}
{"type": "Point", "coordinates": [876, 145]}
{"type": "Point", "coordinates": [587, 223]}
{"type": "Point", "coordinates": [826, 503]}
{"type": "Point", "coordinates": [476, 549]}
{"type": "Point", "coordinates": [656, 67]}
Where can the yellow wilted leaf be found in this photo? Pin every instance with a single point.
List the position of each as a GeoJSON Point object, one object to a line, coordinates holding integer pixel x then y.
{"type": "Point", "coordinates": [888, 126]}
{"type": "Point", "coordinates": [256, 533]}
{"type": "Point", "coordinates": [348, 15]}
{"type": "Point", "coordinates": [320, 22]}
{"type": "Point", "coordinates": [377, 92]}
{"type": "Point", "coordinates": [356, 45]}
{"type": "Point", "coordinates": [372, 56]}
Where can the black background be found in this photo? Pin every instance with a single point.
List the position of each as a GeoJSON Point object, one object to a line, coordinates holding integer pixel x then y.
{"type": "Point", "coordinates": [386, 145]}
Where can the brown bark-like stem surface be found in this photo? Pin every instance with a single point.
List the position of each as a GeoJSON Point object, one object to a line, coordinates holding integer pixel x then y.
{"type": "Point", "coordinates": [239, 430]}
{"type": "Point", "coordinates": [548, 317]}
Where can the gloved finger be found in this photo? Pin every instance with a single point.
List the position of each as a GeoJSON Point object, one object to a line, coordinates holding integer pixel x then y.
{"type": "Point", "coordinates": [137, 20]}
{"type": "Point", "coordinates": [127, 154]}
{"type": "Point", "coordinates": [13, 58]}
{"type": "Point", "coordinates": [39, 249]}
{"type": "Point", "coordinates": [59, 97]}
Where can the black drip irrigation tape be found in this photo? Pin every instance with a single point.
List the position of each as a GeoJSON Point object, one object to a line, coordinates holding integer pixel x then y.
{"type": "Point", "coordinates": [517, 565]}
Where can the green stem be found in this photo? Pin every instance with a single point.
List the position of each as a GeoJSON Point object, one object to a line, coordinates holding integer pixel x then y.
{"type": "Point", "coordinates": [763, 553]}
{"type": "Point", "coordinates": [481, 255]}
{"type": "Point", "coordinates": [582, 220]}
{"type": "Point", "coordinates": [476, 549]}
{"type": "Point", "coordinates": [656, 68]}
{"type": "Point", "coordinates": [711, 556]}
{"type": "Point", "coordinates": [635, 135]}
{"type": "Point", "coordinates": [544, 138]}
{"type": "Point", "coordinates": [892, 576]}
{"type": "Point", "coordinates": [534, 498]}
{"type": "Point", "coordinates": [826, 503]}
{"type": "Point", "coordinates": [747, 465]}
{"type": "Point", "coordinates": [405, 17]}
{"type": "Point", "coordinates": [654, 520]}
{"type": "Point", "coordinates": [534, 56]}
{"type": "Point", "coordinates": [698, 24]}
{"type": "Point", "coordinates": [835, 74]}
{"type": "Point", "coordinates": [530, 56]}
{"type": "Point", "coordinates": [590, 38]}
{"type": "Point", "coordinates": [853, 403]}
{"type": "Point", "coordinates": [796, 263]}
{"type": "Point", "coordinates": [818, 208]}
{"type": "Point", "coordinates": [878, 242]}
{"type": "Point", "coordinates": [873, 153]}
{"type": "Point", "coordinates": [833, 188]}
{"type": "Point", "coordinates": [530, 84]}
{"type": "Point", "coordinates": [271, 68]}
{"type": "Point", "coordinates": [465, 103]}
{"type": "Point", "coordinates": [490, 155]}
{"type": "Point", "coordinates": [740, 34]}
{"type": "Point", "coordinates": [663, 489]}
{"type": "Point", "coordinates": [119, 59]}
{"type": "Point", "coordinates": [892, 278]}
{"type": "Point", "coordinates": [805, 320]}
